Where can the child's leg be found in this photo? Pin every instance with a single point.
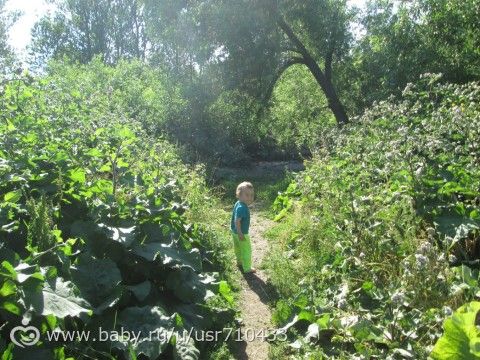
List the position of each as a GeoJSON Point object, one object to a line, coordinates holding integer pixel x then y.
{"type": "Point", "coordinates": [236, 247]}
{"type": "Point", "coordinates": [246, 253]}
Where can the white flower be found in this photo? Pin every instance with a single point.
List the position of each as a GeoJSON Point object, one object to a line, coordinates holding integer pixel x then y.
{"type": "Point", "coordinates": [441, 278]}
{"type": "Point", "coordinates": [342, 304]}
{"type": "Point", "coordinates": [398, 297]}
{"type": "Point", "coordinates": [407, 273]}
{"type": "Point", "coordinates": [421, 260]}
{"type": "Point", "coordinates": [419, 171]}
{"type": "Point", "coordinates": [326, 269]}
{"type": "Point", "coordinates": [447, 310]}
{"type": "Point", "coordinates": [425, 247]}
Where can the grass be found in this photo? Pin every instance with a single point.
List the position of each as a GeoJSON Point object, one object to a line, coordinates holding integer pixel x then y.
{"type": "Point", "coordinates": [267, 183]}
{"type": "Point", "coordinates": [221, 197]}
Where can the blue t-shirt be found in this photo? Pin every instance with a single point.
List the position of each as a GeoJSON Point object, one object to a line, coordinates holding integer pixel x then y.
{"type": "Point", "coordinates": [240, 211]}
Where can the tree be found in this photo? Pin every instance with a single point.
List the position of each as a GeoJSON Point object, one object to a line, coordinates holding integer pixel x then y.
{"type": "Point", "coordinates": [326, 35]}
{"type": "Point", "coordinates": [402, 40]}
{"type": "Point", "coordinates": [7, 57]}
{"type": "Point", "coordinates": [297, 110]}
{"type": "Point", "coordinates": [81, 29]}
{"type": "Point", "coordinates": [255, 41]}
{"type": "Point", "coordinates": [452, 28]}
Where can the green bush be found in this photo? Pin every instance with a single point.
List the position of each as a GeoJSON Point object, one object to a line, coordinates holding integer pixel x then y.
{"type": "Point", "coordinates": [94, 228]}
{"type": "Point", "coordinates": [384, 207]}
{"type": "Point", "coordinates": [460, 339]}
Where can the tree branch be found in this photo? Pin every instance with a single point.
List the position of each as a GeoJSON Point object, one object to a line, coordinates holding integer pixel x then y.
{"type": "Point", "coordinates": [329, 59]}
{"type": "Point", "coordinates": [308, 59]}
{"type": "Point", "coordinates": [278, 74]}
{"type": "Point", "coordinates": [300, 48]}
{"type": "Point", "coordinates": [323, 78]}
{"type": "Point", "coordinates": [292, 49]}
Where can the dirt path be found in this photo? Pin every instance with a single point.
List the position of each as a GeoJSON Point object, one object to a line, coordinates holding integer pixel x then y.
{"type": "Point", "coordinates": [254, 295]}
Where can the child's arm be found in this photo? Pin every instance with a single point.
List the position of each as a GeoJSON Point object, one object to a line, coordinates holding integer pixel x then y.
{"type": "Point", "coordinates": [239, 228]}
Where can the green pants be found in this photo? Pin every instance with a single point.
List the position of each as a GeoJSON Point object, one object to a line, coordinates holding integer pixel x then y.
{"type": "Point", "coordinates": [243, 251]}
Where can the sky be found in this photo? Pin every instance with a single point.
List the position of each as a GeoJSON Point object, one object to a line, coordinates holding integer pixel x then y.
{"type": "Point", "coordinates": [32, 10]}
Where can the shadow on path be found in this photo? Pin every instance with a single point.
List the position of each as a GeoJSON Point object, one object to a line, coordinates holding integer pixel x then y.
{"type": "Point", "coordinates": [264, 291]}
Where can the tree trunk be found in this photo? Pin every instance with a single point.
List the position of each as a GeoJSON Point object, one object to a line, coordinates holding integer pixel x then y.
{"type": "Point", "coordinates": [328, 89]}
{"type": "Point", "coordinates": [336, 105]}
{"type": "Point", "coordinates": [323, 79]}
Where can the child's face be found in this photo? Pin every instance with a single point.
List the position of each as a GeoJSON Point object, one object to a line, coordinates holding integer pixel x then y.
{"type": "Point", "coordinates": [246, 196]}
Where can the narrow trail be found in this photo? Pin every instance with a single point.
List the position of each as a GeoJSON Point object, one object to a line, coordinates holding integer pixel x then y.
{"type": "Point", "coordinates": [254, 296]}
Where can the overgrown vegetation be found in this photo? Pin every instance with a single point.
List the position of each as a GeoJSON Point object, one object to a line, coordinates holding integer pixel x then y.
{"type": "Point", "coordinates": [120, 150]}
{"type": "Point", "coordinates": [94, 230]}
{"type": "Point", "coordinates": [378, 238]}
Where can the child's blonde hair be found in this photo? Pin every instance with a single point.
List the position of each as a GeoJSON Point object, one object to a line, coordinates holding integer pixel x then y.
{"type": "Point", "coordinates": [243, 186]}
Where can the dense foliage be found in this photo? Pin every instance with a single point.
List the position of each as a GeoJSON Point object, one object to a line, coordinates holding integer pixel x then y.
{"type": "Point", "coordinates": [379, 237]}
{"type": "Point", "coordinates": [151, 96]}
{"type": "Point", "coordinates": [92, 228]}
{"type": "Point", "coordinates": [291, 125]}
{"type": "Point", "coordinates": [103, 223]}
{"type": "Point", "coordinates": [231, 57]}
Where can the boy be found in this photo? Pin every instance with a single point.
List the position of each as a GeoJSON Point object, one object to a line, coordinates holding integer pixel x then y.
{"type": "Point", "coordinates": [239, 225]}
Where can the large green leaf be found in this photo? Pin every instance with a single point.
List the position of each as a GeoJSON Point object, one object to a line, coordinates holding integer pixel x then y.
{"type": "Point", "coordinates": [98, 280]}
{"type": "Point", "coordinates": [185, 348]}
{"type": "Point", "coordinates": [453, 224]}
{"type": "Point", "coordinates": [189, 286]}
{"type": "Point", "coordinates": [83, 229]}
{"type": "Point", "coordinates": [20, 273]}
{"type": "Point", "coordinates": [77, 175]}
{"type": "Point", "coordinates": [461, 338]}
{"type": "Point", "coordinates": [169, 254]}
{"type": "Point", "coordinates": [57, 297]}
{"type": "Point", "coordinates": [12, 196]}
{"type": "Point", "coordinates": [194, 315]}
{"type": "Point", "coordinates": [125, 236]}
{"type": "Point", "coordinates": [141, 290]}
{"type": "Point", "coordinates": [152, 327]}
